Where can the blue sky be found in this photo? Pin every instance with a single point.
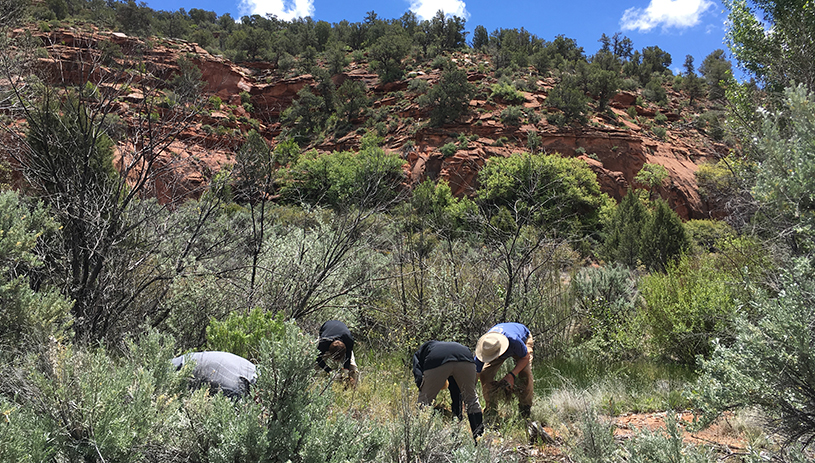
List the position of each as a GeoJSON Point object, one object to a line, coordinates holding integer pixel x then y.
{"type": "Point", "coordinates": [680, 27]}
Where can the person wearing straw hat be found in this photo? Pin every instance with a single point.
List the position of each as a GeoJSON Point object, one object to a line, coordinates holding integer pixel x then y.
{"type": "Point", "coordinates": [337, 344]}
{"type": "Point", "coordinates": [501, 342]}
{"type": "Point", "coordinates": [439, 362]}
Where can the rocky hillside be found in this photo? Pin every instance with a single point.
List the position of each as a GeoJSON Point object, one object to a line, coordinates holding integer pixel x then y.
{"type": "Point", "coordinates": [616, 147]}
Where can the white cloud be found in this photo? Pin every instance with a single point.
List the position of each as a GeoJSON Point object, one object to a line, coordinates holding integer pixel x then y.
{"type": "Point", "coordinates": [426, 9]}
{"type": "Point", "coordinates": [665, 13]}
{"type": "Point", "coordinates": [283, 9]}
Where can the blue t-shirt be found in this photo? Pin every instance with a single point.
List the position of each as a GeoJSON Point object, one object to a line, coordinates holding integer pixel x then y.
{"type": "Point", "coordinates": [517, 334]}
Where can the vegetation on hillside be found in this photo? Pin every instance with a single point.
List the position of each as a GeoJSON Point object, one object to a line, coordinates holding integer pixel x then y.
{"type": "Point", "coordinates": [101, 285]}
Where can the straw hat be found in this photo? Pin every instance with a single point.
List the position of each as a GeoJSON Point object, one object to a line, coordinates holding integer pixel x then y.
{"type": "Point", "coordinates": [491, 346]}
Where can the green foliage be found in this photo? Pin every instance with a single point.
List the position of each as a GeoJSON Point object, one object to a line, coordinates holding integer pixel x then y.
{"type": "Point", "coordinates": [637, 236]}
{"type": "Point", "coordinates": [606, 298]}
{"type": "Point", "coordinates": [512, 115]}
{"type": "Point", "coordinates": [668, 447]}
{"type": "Point", "coordinates": [769, 364]}
{"type": "Point", "coordinates": [533, 141]}
{"type": "Point", "coordinates": [771, 40]}
{"type": "Point", "coordinates": [596, 440]}
{"type": "Point", "coordinates": [652, 175]}
{"type": "Point", "coordinates": [286, 151]}
{"type": "Point", "coordinates": [448, 149]}
{"type": "Point", "coordinates": [624, 232]}
{"type": "Point", "coordinates": [570, 100]}
{"type": "Point", "coordinates": [562, 193]}
{"type": "Point", "coordinates": [449, 98]}
{"type": "Point", "coordinates": [94, 407]}
{"type": "Point", "coordinates": [351, 100]}
{"type": "Point", "coordinates": [343, 179]}
{"type": "Point", "coordinates": [216, 102]}
{"type": "Point", "coordinates": [242, 334]}
{"type": "Point", "coordinates": [387, 54]}
{"type": "Point", "coordinates": [306, 115]}
{"type": "Point", "coordinates": [660, 132]}
{"type": "Point", "coordinates": [785, 179]}
{"type": "Point", "coordinates": [716, 70]}
{"type": "Point", "coordinates": [688, 307]}
{"type": "Point", "coordinates": [28, 317]}
{"type": "Point", "coordinates": [603, 81]}
{"type": "Point", "coordinates": [655, 92]}
{"type": "Point", "coordinates": [707, 234]}
{"type": "Point", "coordinates": [187, 83]}
{"type": "Point", "coordinates": [506, 92]}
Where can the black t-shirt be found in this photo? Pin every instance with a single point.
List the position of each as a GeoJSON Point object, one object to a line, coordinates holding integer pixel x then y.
{"type": "Point", "coordinates": [434, 354]}
{"type": "Point", "coordinates": [331, 331]}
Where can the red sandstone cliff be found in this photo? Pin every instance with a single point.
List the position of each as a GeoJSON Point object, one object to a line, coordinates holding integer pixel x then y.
{"type": "Point", "coordinates": [615, 149]}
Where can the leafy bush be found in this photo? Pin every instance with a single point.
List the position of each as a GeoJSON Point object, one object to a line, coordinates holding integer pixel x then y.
{"type": "Point", "coordinates": [95, 407]}
{"type": "Point", "coordinates": [607, 299]}
{"type": "Point", "coordinates": [595, 443]}
{"type": "Point", "coordinates": [689, 307]}
{"type": "Point", "coordinates": [28, 317]}
{"type": "Point", "coordinates": [769, 364]}
{"type": "Point", "coordinates": [560, 192]}
{"type": "Point", "coordinates": [506, 92]}
{"type": "Point", "coordinates": [343, 178]}
{"type": "Point", "coordinates": [242, 334]}
{"type": "Point", "coordinates": [636, 235]}
{"type": "Point", "coordinates": [512, 115]}
{"type": "Point", "coordinates": [569, 99]}
{"type": "Point", "coordinates": [660, 132]}
{"type": "Point", "coordinates": [657, 447]}
{"type": "Point", "coordinates": [449, 98]}
{"type": "Point", "coordinates": [448, 149]}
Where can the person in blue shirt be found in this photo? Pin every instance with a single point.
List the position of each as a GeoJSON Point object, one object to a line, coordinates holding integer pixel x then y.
{"type": "Point", "coordinates": [501, 342]}
{"type": "Point", "coordinates": [437, 362]}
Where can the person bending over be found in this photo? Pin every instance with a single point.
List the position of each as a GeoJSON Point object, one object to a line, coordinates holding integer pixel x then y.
{"type": "Point", "coordinates": [437, 362]}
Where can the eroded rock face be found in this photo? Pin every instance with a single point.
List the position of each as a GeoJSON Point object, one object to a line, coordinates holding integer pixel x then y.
{"type": "Point", "coordinates": [615, 148]}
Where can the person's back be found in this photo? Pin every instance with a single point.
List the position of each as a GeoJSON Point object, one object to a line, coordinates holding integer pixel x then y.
{"type": "Point", "coordinates": [224, 371]}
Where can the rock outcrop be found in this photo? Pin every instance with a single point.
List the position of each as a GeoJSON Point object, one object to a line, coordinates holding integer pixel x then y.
{"type": "Point", "coordinates": [615, 147]}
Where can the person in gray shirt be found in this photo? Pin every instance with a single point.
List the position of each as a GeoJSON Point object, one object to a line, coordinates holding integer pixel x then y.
{"type": "Point", "coordinates": [220, 371]}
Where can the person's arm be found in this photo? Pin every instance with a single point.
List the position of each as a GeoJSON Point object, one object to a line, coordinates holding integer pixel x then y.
{"type": "Point", "coordinates": [322, 348]}
{"type": "Point", "coordinates": [519, 365]}
{"type": "Point", "coordinates": [418, 374]}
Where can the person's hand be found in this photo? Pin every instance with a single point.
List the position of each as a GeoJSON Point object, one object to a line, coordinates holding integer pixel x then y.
{"type": "Point", "coordinates": [510, 378]}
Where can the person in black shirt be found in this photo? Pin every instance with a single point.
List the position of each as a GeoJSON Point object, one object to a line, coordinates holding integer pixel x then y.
{"type": "Point", "coordinates": [336, 343]}
{"type": "Point", "coordinates": [437, 362]}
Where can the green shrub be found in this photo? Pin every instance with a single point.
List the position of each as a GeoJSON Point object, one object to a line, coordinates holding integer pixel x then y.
{"type": "Point", "coordinates": [570, 100]}
{"type": "Point", "coordinates": [668, 447]}
{"type": "Point", "coordinates": [660, 118]}
{"type": "Point", "coordinates": [636, 235]}
{"type": "Point", "coordinates": [606, 300]}
{"type": "Point", "coordinates": [688, 307]}
{"type": "Point", "coordinates": [449, 98]}
{"type": "Point", "coordinates": [595, 443]}
{"type": "Point", "coordinates": [660, 132]}
{"type": "Point", "coordinates": [506, 92]}
{"type": "Point", "coordinates": [512, 115]}
{"type": "Point", "coordinates": [242, 334]}
{"type": "Point", "coordinates": [448, 149]}
{"type": "Point", "coordinates": [343, 179]}
{"type": "Point", "coordinates": [28, 317]}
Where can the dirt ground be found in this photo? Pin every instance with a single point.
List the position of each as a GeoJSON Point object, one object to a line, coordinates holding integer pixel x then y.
{"type": "Point", "coordinates": [720, 436]}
